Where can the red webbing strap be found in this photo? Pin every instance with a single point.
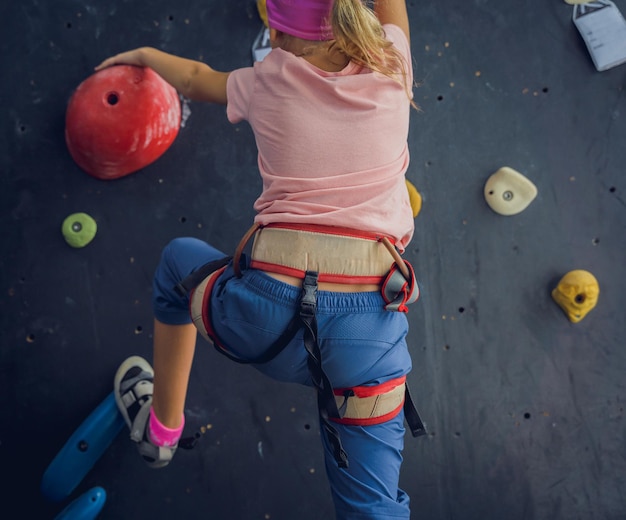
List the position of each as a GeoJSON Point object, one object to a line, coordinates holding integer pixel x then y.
{"type": "Point", "coordinates": [372, 390]}
{"type": "Point", "coordinates": [324, 277]}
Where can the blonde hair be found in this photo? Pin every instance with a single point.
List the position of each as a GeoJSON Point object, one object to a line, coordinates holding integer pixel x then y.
{"type": "Point", "coordinates": [360, 36]}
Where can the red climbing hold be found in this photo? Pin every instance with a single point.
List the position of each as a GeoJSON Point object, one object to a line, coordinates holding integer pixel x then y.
{"type": "Point", "coordinates": [120, 120]}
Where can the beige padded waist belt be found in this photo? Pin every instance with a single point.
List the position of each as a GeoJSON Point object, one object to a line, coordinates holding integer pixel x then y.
{"type": "Point", "coordinates": [339, 256]}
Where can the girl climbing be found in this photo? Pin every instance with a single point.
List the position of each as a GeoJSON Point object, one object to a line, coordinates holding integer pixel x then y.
{"type": "Point", "coordinates": [321, 299]}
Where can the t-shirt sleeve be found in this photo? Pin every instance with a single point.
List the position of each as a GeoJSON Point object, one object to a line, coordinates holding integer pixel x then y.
{"type": "Point", "coordinates": [395, 35]}
{"type": "Point", "coordinates": [239, 88]}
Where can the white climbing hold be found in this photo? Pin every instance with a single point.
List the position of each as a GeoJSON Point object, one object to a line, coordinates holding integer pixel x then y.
{"type": "Point", "coordinates": [508, 192]}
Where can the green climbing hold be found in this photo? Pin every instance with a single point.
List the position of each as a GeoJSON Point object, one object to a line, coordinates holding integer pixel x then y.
{"type": "Point", "coordinates": [79, 229]}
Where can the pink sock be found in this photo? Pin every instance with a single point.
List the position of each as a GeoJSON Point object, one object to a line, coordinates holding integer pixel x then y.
{"type": "Point", "coordinates": [161, 435]}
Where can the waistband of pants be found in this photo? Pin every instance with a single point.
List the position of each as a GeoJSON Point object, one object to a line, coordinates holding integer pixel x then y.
{"type": "Point", "coordinates": [328, 302]}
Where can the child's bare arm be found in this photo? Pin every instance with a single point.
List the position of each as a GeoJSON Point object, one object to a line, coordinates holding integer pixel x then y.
{"type": "Point", "coordinates": [193, 79]}
{"type": "Point", "coordinates": [394, 12]}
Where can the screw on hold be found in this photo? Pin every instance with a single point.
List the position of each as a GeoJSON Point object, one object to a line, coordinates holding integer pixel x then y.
{"type": "Point", "coordinates": [508, 192]}
{"type": "Point", "coordinates": [577, 294]}
{"type": "Point", "coordinates": [112, 98]}
{"type": "Point", "coordinates": [83, 445]}
{"type": "Point", "coordinates": [79, 229]}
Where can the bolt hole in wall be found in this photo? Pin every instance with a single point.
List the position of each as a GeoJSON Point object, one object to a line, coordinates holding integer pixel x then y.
{"type": "Point", "coordinates": [182, 220]}
{"type": "Point", "coordinates": [506, 195]}
{"type": "Point", "coordinates": [440, 98]}
{"type": "Point", "coordinates": [595, 241]}
{"type": "Point", "coordinates": [138, 329]}
{"type": "Point", "coordinates": [526, 415]}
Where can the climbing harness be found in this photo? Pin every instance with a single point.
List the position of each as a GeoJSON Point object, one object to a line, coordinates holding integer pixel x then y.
{"type": "Point", "coordinates": [320, 254]}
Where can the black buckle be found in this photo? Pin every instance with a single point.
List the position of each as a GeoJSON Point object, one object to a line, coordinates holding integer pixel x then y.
{"type": "Point", "coordinates": [189, 443]}
{"type": "Point", "coordinates": [308, 300]}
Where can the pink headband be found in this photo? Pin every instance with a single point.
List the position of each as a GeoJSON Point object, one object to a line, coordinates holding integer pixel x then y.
{"type": "Point", "coordinates": [306, 19]}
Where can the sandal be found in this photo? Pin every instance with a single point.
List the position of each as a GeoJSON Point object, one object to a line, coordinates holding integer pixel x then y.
{"type": "Point", "coordinates": [133, 394]}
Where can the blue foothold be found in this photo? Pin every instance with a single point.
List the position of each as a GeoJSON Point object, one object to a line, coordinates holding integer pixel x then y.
{"type": "Point", "coordinates": [85, 507]}
{"type": "Point", "coordinates": [81, 451]}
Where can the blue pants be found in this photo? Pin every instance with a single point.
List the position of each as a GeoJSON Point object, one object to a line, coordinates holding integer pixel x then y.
{"type": "Point", "coordinates": [361, 344]}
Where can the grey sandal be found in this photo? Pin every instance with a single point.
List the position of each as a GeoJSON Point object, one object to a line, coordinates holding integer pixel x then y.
{"type": "Point", "coordinates": [133, 394]}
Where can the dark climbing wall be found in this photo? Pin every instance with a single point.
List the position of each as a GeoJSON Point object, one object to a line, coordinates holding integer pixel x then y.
{"type": "Point", "coordinates": [524, 408]}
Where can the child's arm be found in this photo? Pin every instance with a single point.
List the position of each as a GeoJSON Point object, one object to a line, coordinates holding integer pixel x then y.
{"type": "Point", "coordinates": [394, 12]}
{"type": "Point", "coordinates": [193, 79]}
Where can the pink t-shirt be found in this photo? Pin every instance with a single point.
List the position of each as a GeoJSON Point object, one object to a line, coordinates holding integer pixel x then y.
{"type": "Point", "coordinates": [332, 145]}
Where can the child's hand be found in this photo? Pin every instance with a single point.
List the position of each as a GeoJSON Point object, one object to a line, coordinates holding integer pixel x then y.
{"type": "Point", "coordinates": [134, 57]}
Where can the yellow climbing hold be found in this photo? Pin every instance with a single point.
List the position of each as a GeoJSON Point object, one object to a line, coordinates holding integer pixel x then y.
{"type": "Point", "coordinates": [577, 293]}
{"type": "Point", "coordinates": [262, 8]}
{"type": "Point", "coordinates": [414, 198]}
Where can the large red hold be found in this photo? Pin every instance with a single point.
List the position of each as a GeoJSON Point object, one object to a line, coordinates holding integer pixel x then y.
{"type": "Point", "coordinates": [120, 120]}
